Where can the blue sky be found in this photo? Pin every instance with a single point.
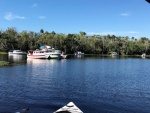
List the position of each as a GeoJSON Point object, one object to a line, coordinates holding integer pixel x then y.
{"type": "Point", "coordinates": [118, 17]}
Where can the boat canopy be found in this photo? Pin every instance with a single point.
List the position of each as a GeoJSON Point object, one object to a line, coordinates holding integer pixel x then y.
{"type": "Point", "coordinates": [43, 47]}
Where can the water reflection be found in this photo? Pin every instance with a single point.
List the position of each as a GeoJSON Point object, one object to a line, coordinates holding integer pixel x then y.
{"type": "Point", "coordinates": [3, 57]}
{"type": "Point", "coordinates": [79, 56]}
{"type": "Point", "coordinates": [40, 61]}
{"type": "Point", "coordinates": [96, 85]}
{"type": "Point", "coordinates": [17, 58]}
{"type": "Point", "coordinates": [35, 61]}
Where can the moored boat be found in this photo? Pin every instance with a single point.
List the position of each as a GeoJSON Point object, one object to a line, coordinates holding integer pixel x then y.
{"type": "Point", "coordinates": [78, 53]}
{"type": "Point", "coordinates": [143, 55]}
{"type": "Point", "coordinates": [36, 54]}
{"type": "Point", "coordinates": [63, 55]}
{"type": "Point", "coordinates": [113, 54]}
{"type": "Point", "coordinates": [45, 53]}
{"type": "Point", "coordinates": [16, 52]}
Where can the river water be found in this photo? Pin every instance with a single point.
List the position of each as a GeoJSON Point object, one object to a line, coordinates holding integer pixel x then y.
{"type": "Point", "coordinates": [94, 84]}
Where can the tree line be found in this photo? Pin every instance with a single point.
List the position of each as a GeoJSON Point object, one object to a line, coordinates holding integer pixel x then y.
{"type": "Point", "coordinates": [70, 43]}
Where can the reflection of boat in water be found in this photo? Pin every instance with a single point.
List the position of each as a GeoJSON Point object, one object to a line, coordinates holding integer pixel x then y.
{"type": "Point", "coordinates": [40, 61]}
{"type": "Point", "coordinates": [79, 56]}
{"type": "Point", "coordinates": [78, 53]}
{"type": "Point", "coordinates": [35, 61]}
{"type": "Point", "coordinates": [17, 58]}
{"type": "Point", "coordinates": [143, 55]}
{"type": "Point", "coordinates": [17, 52]}
{"type": "Point", "coordinates": [69, 108]}
{"type": "Point", "coordinates": [114, 54]}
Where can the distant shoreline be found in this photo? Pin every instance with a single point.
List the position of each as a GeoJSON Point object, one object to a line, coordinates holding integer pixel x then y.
{"type": "Point", "coordinates": [105, 55]}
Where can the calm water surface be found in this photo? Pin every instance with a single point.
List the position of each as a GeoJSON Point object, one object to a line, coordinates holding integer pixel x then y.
{"type": "Point", "coordinates": [95, 84]}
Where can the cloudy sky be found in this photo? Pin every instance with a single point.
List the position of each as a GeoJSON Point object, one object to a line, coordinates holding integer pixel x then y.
{"type": "Point", "coordinates": [102, 17]}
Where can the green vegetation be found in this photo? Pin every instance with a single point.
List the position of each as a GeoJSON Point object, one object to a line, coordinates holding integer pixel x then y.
{"type": "Point", "coordinates": [96, 44]}
{"type": "Point", "coordinates": [3, 53]}
{"type": "Point", "coordinates": [4, 63]}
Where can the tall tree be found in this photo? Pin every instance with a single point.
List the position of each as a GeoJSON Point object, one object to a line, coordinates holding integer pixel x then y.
{"type": "Point", "coordinates": [41, 31]}
{"type": "Point", "coordinates": [82, 33]}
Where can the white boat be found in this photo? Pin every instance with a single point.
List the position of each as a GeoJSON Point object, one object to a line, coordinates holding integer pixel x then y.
{"type": "Point", "coordinates": [17, 52]}
{"type": "Point", "coordinates": [63, 55]}
{"type": "Point", "coordinates": [69, 108]}
{"type": "Point", "coordinates": [36, 54]}
{"type": "Point", "coordinates": [143, 55]}
{"type": "Point", "coordinates": [40, 54]}
{"type": "Point", "coordinates": [114, 54]}
{"type": "Point", "coordinates": [78, 53]}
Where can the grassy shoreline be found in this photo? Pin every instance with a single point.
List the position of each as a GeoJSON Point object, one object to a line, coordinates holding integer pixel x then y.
{"type": "Point", "coordinates": [3, 53]}
{"type": "Point", "coordinates": [4, 63]}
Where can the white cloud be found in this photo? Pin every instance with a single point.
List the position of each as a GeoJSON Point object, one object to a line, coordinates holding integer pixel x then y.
{"type": "Point", "coordinates": [101, 33]}
{"type": "Point", "coordinates": [9, 16]}
{"type": "Point", "coordinates": [35, 5]}
{"type": "Point", "coordinates": [124, 14]}
{"type": "Point", "coordinates": [41, 17]}
{"type": "Point", "coordinates": [120, 33]}
{"type": "Point", "coordinates": [132, 32]}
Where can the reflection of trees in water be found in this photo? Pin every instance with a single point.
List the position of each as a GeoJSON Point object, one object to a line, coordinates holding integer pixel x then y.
{"type": "Point", "coordinates": [3, 57]}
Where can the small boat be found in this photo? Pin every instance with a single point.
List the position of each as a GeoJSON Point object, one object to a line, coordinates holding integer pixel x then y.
{"type": "Point", "coordinates": [63, 55]}
{"type": "Point", "coordinates": [143, 55]}
{"type": "Point", "coordinates": [113, 54]}
{"type": "Point", "coordinates": [69, 108]}
{"type": "Point", "coordinates": [17, 52]}
{"type": "Point", "coordinates": [78, 53]}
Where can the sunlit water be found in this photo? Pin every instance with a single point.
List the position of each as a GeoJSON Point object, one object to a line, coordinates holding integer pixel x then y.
{"type": "Point", "coordinates": [95, 85]}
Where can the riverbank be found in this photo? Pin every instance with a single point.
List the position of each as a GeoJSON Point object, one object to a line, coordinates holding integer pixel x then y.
{"type": "Point", "coordinates": [103, 55]}
{"type": "Point", "coordinates": [3, 53]}
{"type": "Point", "coordinates": [4, 63]}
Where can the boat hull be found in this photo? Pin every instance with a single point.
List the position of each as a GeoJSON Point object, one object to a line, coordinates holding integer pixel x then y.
{"type": "Point", "coordinates": [54, 56]}
{"type": "Point", "coordinates": [44, 56]}
{"type": "Point", "coordinates": [37, 56]}
{"type": "Point", "coordinates": [63, 56]}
